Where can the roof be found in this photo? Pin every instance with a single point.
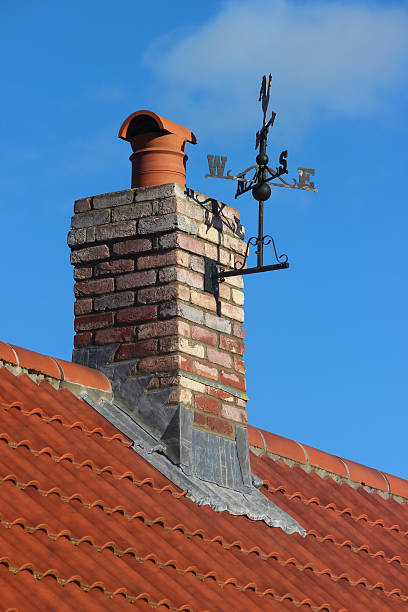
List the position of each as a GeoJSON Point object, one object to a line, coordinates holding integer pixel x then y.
{"type": "Point", "coordinates": [87, 523]}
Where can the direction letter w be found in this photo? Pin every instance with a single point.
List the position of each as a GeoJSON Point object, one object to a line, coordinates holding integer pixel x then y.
{"type": "Point", "coordinates": [216, 165]}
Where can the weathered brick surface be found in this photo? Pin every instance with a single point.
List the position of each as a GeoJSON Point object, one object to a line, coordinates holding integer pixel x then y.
{"type": "Point", "coordinates": [82, 205]}
{"type": "Point", "coordinates": [136, 279]}
{"type": "Point", "coordinates": [90, 254]}
{"type": "Point", "coordinates": [172, 273]}
{"type": "Point", "coordinates": [207, 371]}
{"type": "Point", "coordinates": [83, 306]}
{"type": "Point", "coordinates": [82, 339]}
{"type": "Point", "coordinates": [87, 322]}
{"type": "Point", "coordinates": [168, 258]}
{"type": "Point", "coordinates": [233, 380]}
{"type": "Point", "coordinates": [133, 211]}
{"type": "Point", "coordinates": [219, 357]}
{"type": "Point", "coordinates": [199, 418]}
{"type": "Point", "coordinates": [207, 404]}
{"type": "Point", "coordinates": [239, 364]}
{"type": "Point", "coordinates": [90, 219]}
{"type": "Point", "coordinates": [83, 273]}
{"type": "Point", "coordinates": [220, 426]}
{"type": "Point", "coordinates": [171, 344]}
{"type": "Point", "coordinates": [164, 293]}
{"type": "Point", "coordinates": [119, 334]}
{"type": "Point", "coordinates": [163, 328]}
{"type": "Point", "coordinates": [232, 345]}
{"type": "Point", "coordinates": [179, 240]}
{"type": "Point", "coordinates": [137, 315]}
{"type": "Point", "coordinates": [233, 413]}
{"type": "Point", "coordinates": [117, 266]}
{"type": "Point", "coordinates": [115, 230]}
{"type": "Point", "coordinates": [130, 247]}
{"type": "Point", "coordinates": [136, 349]}
{"type": "Point", "coordinates": [233, 312]}
{"type": "Point", "coordinates": [76, 237]}
{"type": "Point", "coordinates": [179, 309]}
{"type": "Point", "coordinates": [115, 198]}
{"type": "Point", "coordinates": [204, 300]}
{"type": "Point", "coordinates": [160, 363]}
{"type": "Point", "coordinates": [93, 287]}
{"type": "Point", "coordinates": [218, 323]}
{"type": "Point", "coordinates": [113, 301]}
{"type": "Point", "coordinates": [204, 335]}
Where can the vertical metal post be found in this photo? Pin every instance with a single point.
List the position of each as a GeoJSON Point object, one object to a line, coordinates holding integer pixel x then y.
{"type": "Point", "coordinates": [260, 236]}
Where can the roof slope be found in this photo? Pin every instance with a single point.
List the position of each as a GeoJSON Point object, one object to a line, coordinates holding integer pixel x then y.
{"type": "Point", "coordinates": [86, 523]}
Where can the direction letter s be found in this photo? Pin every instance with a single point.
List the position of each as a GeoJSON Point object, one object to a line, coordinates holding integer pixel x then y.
{"type": "Point", "coordinates": [283, 163]}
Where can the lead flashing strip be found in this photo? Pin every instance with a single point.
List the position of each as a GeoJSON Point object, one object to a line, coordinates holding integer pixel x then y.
{"type": "Point", "coordinates": [211, 383]}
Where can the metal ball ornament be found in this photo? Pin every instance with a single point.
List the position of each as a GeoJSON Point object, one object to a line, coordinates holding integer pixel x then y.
{"type": "Point", "coordinates": [261, 192]}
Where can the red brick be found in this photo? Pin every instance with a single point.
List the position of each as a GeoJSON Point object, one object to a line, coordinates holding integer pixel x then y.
{"type": "Point", "coordinates": [114, 300]}
{"type": "Point", "coordinates": [137, 315]}
{"type": "Point", "coordinates": [163, 259]}
{"type": "Point", "coordinates": [233, 312]}
{"type": "Point", "coordinates": [223, 359]}
{"type": "Point", "coordinates": [220, 426]}
{"type": "Point", "coordinates": [207, 404]}
{"type": "Point", "coordinates": [204, 370]}
{"type": "Point", "coordinates": [220, 394]}
{"type": "Point", "coordinates": [99, 321]}
{"type": "Point", "coordinates": [92, 253]}
{"type": "Point", "coordinates": [83, 339]}
{"type": "Point", "coordinates": [132, 246]}
{"type": "Point", "coordinates": [205, 300]}
{"type": "Point", "coordinates": [164, 293]}
{"type": "Point", "coordinates": [136, 279]}
{"type": "Point", "coordinates": [199, 418]}
{"type": "Point", "coordinates": [185, 363]}
{"type": "Point", "coordinates": [239, 365]}
{"type": "Point", "coordinates": [199, 333]}
{"type": "Point", "coordinates": [92, 287]}
{"type": "Point", "coordinates": [83, 306]}
{"type": "Point", "coordinates": [158, 363]}
{"type": "Point", "coordinates": [193, 279]}
{"type": "Point", "coordinates": [119, 334]}
{"type": "Point", "coordinates": [232, 345]}
{"type": "Point", "coordinates": [82, 205]}
{"type": "Point", "coordinates": [82, 273]}
{"type": "Point", "coordinates": [176, 239]}
{"type": "Point", "coordinates": [238, 330]}
{"type": "Point", "coordinates": [232, 413]}
{"type": "Point", "coordinates": [115, 230]}
{"type": "Point", "coordinates": [232, 380]}
{"type": "Point", "coordinates": [144, 348]}
{"type": "Point", "coordinates": [163, 328]}
{"type": "Point", "coordinates": [117, 266]}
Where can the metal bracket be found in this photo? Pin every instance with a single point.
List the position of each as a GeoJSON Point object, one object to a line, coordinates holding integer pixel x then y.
{"type": "Point", "coordinates": [214, 274]}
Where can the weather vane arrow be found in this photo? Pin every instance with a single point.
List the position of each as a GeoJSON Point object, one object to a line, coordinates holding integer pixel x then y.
{"type": "Point", "coordinates": [258, 179]}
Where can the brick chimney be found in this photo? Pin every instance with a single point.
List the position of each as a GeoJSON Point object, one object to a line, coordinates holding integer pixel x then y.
{"type": "Point", "coordinates": [173, 351]}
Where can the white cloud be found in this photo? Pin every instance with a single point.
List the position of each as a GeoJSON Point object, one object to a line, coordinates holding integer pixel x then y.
{"type": "Point", "coordinates": [339, 57]}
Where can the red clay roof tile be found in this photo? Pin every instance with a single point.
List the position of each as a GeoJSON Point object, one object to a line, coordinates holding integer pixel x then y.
{"type": "Point", "coordinates": [86, 523]}
{"type": "Point", "coordinates": [7, 353]}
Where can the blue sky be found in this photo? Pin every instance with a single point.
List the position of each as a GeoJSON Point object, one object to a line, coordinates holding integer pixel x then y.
{"type": "Point", "coordinates": [326, 340]}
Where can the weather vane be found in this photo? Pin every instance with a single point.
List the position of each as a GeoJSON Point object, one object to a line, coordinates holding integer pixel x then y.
{"type": "Point", "coordinates": [258, 178]}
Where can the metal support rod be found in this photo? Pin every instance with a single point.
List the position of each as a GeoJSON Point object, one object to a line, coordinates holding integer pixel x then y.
{"type": "Point", "coordinates": [260, 237]}
{"type": "Point", "coordinates": [279, 266]}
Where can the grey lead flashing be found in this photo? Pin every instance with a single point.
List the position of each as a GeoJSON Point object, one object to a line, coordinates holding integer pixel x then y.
{"type": "Point", "coordinates": [252, 503]}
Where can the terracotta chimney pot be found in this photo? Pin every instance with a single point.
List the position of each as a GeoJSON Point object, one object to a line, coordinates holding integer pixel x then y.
{"type": "Point", "coordinates": [158, 149]}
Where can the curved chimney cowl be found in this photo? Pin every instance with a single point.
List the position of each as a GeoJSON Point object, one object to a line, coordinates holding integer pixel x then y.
{"type": "Point", "coordinates": [158, 149]}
